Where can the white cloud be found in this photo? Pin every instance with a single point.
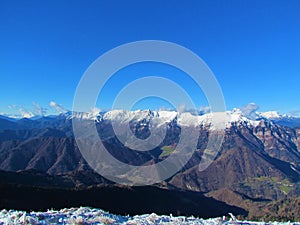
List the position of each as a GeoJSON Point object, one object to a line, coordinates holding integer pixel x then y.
{"type": "Point", "coordinates": [13, 106]}
{"type": "Point", "coordinates": [204, 110]}
{"type": "Point", "coordinates": [19, 111]}
{"type": "Point", "coordinates": [182, 108]}
{"type": "Point", "coordinates": [249, 110]}
{"type": "Point", "coordinates": [59, 108]}
{"type": "Point", "coordinates": [295, 113]}
{"type": "Point", "coordinates": [38, 110]}
{"type": "Point", "coordinates": [26, 113]}
{"type": "Point", "coordinates": [95, 111]}
{"type": "Point", "coordinates": [201, 111]}
{"type": "Point", "coordinates": [164, 109]}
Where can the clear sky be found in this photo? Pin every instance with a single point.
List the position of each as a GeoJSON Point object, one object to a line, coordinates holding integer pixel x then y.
{"type": "Point", "coordinates": [253, 48]}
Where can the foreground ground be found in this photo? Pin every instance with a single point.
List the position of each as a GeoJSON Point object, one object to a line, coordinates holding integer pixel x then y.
{"type": "Point", "coordinates": [86, 215]}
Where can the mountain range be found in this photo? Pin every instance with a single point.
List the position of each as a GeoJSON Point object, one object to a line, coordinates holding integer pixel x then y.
{"type": "Point", "coordinates": [257, 167]}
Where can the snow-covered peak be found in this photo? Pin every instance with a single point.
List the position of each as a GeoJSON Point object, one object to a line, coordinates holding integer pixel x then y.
{"type": "Point", "coordinates": [93, 114]}
{"type": "Point", "coordinates": [231, 117]}
{"type": "Point", "coordinates": [83, 115]}
{"type": "Point", "coordinates": [214, 120]}
{"type": "Point", "coordinates": [270, 115]}
{"type": "Point", "coordinates": [168, 115]}
{"type": "Point", "coordinates": [127, 116]}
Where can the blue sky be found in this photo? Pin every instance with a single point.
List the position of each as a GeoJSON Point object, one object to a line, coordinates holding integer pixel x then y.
{"type": "Point", "coordinates": [252, 47]}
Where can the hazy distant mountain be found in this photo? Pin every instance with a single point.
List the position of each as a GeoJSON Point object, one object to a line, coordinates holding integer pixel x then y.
{"type": "Point", "coordinates": [284, 120]}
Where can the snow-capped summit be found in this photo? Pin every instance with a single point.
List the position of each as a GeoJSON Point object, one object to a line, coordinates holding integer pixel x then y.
{"type": "Point", "coordinates": [284, 120]}
{"type": "Point", "coordinates": [214, 120]}
{"type": "Point", "coordinates": [270, 115]}
{"type": "Point", "coordinates": [247, 115]}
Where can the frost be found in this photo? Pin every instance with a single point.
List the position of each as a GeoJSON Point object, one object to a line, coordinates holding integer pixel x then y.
{"type": "Point", "coordinates": [91, 216]}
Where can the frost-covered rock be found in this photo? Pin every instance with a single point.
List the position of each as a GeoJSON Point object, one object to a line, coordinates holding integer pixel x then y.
{"type": "Point", "coordinates": [86, 215]}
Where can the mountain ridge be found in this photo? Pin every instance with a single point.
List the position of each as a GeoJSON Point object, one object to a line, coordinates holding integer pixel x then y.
{"type": "Point", "coordinates": [259, 160]}
{"type": "Point", "coordinates": [118, 115]}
